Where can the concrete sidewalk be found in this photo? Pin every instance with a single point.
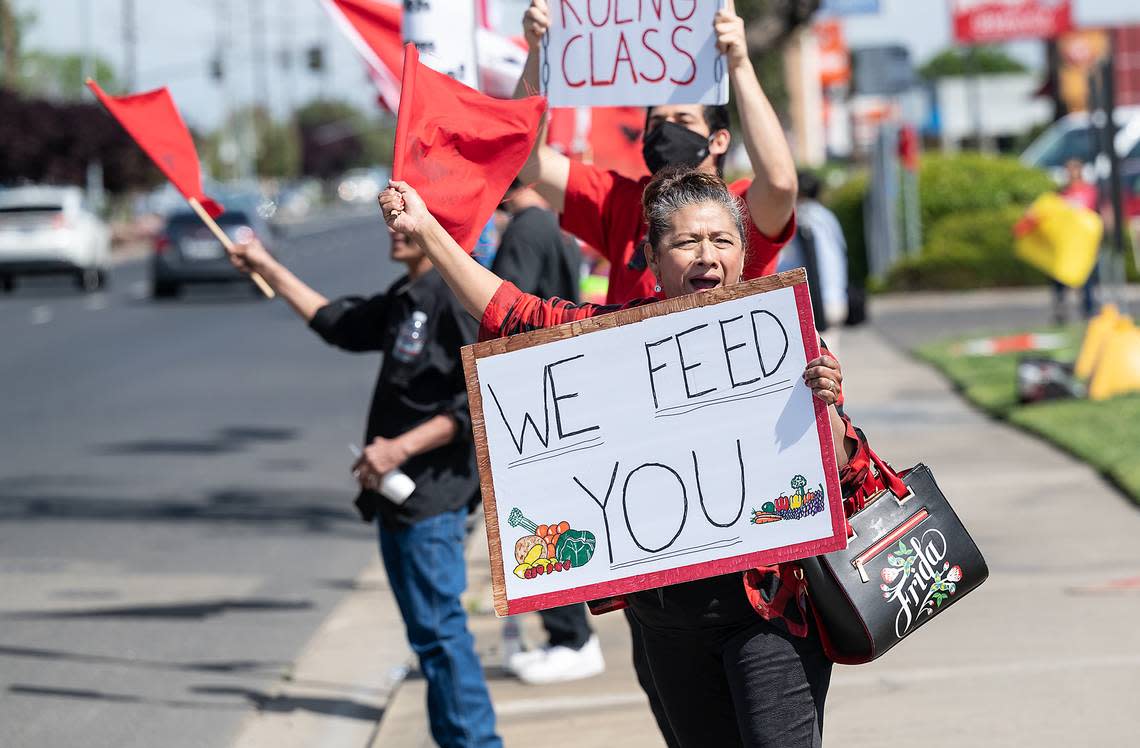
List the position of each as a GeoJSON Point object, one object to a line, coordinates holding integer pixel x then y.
{"type": "Point", "coordinates": [1046, 653]}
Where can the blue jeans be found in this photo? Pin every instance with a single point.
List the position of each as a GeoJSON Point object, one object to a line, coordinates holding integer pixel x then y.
{"type": "Point", "coordinates": [427, 573]}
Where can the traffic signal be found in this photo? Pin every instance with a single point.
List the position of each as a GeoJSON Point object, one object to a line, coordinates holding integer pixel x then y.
{"type": "Point", "coordinates": [316, 58]}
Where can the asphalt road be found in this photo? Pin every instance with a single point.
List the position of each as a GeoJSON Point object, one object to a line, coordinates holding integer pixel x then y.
{"type": "Point", "coordinates": [175, 516]}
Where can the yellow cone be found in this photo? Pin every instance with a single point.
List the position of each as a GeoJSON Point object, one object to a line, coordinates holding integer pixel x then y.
{"type": "Point", "coordinates": [1098, 331]}
{"type": "Point", "coordinates": [1118, 370]}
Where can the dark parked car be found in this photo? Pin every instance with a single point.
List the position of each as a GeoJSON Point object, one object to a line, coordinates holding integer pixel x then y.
{"type": "Point", "coordinates": [187, 252]}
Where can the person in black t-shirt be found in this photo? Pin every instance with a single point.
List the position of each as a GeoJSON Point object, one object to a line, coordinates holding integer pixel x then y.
{"type": "Point", "coordinates": [418, 424]}
{"type": "Point", "coordinates": [534, 253]}
{"type": "Point", "coordinates": [537, 257]}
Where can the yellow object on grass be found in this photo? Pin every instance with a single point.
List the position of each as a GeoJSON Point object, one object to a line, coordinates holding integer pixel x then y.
{"type": "Point", "coordinates": [1060, 239]}
{"type": "Point", "coordinates": [1118, 367]}
{"type": "Point", "coordinates": [1099, 330]}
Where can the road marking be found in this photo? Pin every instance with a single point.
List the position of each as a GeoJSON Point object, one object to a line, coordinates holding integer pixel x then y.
{"type": "Point", "coordinates": [140, 289]}
{"type": "Point", "coordinates": [96, 302]}
{"type": "Point", "coordinates": [41, 315]}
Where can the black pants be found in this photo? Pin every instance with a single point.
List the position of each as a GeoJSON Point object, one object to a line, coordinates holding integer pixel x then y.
{"type": "Point", "coordinates": [566, 626]}
{"type": "Point", "coordinates": [727, 677]}
{"type": "Point", "coordinates": [645, 679]}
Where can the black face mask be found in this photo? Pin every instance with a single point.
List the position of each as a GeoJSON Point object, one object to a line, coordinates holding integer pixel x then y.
{"type": "Point", "coordinates": [670, 144]}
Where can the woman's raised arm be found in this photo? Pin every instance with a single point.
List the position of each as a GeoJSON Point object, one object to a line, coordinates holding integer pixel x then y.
{"type": "Point", "coordinates": [474, 285]}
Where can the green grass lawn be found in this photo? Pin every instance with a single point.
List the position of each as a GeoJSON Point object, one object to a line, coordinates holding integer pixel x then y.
{"type": "Point", "coordinates": [1104, 434]}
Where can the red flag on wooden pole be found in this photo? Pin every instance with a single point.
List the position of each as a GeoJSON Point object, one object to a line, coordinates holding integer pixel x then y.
{"type": "Point", "coordinates": [153, 121]}
{"type": "Point", "coordinates": [459, 148]}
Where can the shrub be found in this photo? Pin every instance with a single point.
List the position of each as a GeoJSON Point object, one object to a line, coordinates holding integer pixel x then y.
{"type": "Point", "coordinates": [969, 203]}
{"type": "Point", "coordinates": [846, 201]}
{"type": "Point", "coordinates": [950, 185]}
{"type": "Point", "coordinates": [968, 250]}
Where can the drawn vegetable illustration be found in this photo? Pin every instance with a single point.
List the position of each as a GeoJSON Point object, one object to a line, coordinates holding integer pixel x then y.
{"type": "Point", "coordinates": [549, 548]}
{"type": "Point", "coordinates": [524, 545]}
{"type": "Point", "coordinates": [802, 503]}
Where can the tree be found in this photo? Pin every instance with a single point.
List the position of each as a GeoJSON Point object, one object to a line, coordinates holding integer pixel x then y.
{"type": "Point", "coordinates": [63, 76]}
{"type": "Point", "coordinates": [336, 136]}
{"type": "Point", "coordinates": [10, 43]}
{"type": "Point", "coordinates": [769, 23]}
{"type": "Point", "coordinates": [53, 142]}
{"type": "Point", "coordinates": [956, 61]}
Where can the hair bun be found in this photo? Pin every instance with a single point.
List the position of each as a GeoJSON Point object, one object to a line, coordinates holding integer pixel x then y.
{"type": "Point", "coordinates": [675, 187]}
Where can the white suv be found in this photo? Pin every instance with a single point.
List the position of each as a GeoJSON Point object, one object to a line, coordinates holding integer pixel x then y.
{"type": "Point", "coordinates": [49, 230]}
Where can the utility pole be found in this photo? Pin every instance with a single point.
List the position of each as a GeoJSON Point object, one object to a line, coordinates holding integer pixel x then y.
{"type": "Point", "coordinates": [290, 59]}
{"type": "Point", "coordinates": [86, 31]}
{"type": "Point", "coordinates": [259, 57]}
{"type": "Point", "coordinates": [260, 69]}
{"type": "Point", "coordinates": [10, 41]}
{"type": "Point", "coordinates": [236, 159]}
{"type": "Point", "coordinates": [130, 45]}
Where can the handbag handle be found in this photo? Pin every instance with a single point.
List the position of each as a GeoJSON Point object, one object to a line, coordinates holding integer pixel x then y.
{"type": "Point", "coordinates": [894, 483]}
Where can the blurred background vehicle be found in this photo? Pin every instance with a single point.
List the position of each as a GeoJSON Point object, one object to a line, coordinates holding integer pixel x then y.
{"type": "Point", "coordinates": [185, 252]}
{"type": "Point", "coordinates": [1074, 136]}
{"type": "Point", "coordinates": [361, 186]}
{"type": "Point", "coordinates": [50, 230]}
{"type": "Point", "coordinates": [296, 200]}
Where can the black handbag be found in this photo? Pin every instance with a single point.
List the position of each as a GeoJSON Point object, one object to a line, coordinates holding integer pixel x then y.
{"type": "Point", "coordinates": [908, 559]}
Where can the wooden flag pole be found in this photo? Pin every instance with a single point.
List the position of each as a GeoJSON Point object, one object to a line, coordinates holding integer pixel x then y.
{"type": "Point", "coordinates": [213, 226]}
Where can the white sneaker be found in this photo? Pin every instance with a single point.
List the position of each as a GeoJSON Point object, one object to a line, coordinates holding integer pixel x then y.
{"type": "Point", "coordinates": [520, 660]}
{"type": "Point", "coordinates": [562, 664]}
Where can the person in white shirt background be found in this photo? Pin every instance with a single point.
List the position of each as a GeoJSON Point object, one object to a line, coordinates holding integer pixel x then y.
{"type": "Point", "coordinates": [818, 233]}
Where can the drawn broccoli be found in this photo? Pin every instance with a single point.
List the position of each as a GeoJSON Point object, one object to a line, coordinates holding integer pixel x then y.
{"type": "Point", "coordinates": [798, 484]}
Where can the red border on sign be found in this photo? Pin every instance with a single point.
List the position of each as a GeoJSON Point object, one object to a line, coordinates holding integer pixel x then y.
{"type": "Point", "coordinates": [836, 541]}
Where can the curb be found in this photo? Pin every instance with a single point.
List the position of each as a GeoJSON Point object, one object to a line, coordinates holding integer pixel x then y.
{"type": "Point", "coordinates": [350, 668]}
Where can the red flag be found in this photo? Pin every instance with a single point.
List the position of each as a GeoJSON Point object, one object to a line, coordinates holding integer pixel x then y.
{"type": "Point", "coordinates": [459, 148]}
{"type": "Point", "coordinates": [375, 30]}
{"type": "Point", "coordinates": [153, 121]}
{"type": "Point", "coordinates": [373, 27]}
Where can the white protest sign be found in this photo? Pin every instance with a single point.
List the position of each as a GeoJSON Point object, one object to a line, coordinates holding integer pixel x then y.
{"type": "Point", "coordinates": [444, 34]}
{"type": "Point", "coordinates": [653, 446]}
{"type": "Point", "coordinates": [632, 53]}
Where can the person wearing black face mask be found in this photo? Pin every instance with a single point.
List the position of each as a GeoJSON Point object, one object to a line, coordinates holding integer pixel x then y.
{"type": "Point", "coordinates": [670, 144]}
{"type": "Point", "coordinates": [603, 208]}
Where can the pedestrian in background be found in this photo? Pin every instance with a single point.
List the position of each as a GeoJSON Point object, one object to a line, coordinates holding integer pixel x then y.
{"type": "Point", "coordinates": [1082, 194]}
{"type": "Point", "coordinates": [419, 425]}
{"type": "Point", "coordinates": [537, 257]}
{"type": "Point", "coordinates": [819, 247]}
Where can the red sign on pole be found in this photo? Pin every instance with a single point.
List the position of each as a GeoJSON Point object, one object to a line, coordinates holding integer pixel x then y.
{"type": "Point", "coordinates": [991, 21]}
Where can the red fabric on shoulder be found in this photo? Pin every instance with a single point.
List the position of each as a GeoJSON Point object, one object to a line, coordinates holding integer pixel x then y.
{"type": "Point", "coordinates": [763, 251]}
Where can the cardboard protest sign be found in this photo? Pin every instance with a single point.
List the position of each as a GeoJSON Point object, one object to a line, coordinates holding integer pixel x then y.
{"type": "Point", "coordinates": [653, 446]}
{"type": "Point", "coordinates": [632, 53]}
